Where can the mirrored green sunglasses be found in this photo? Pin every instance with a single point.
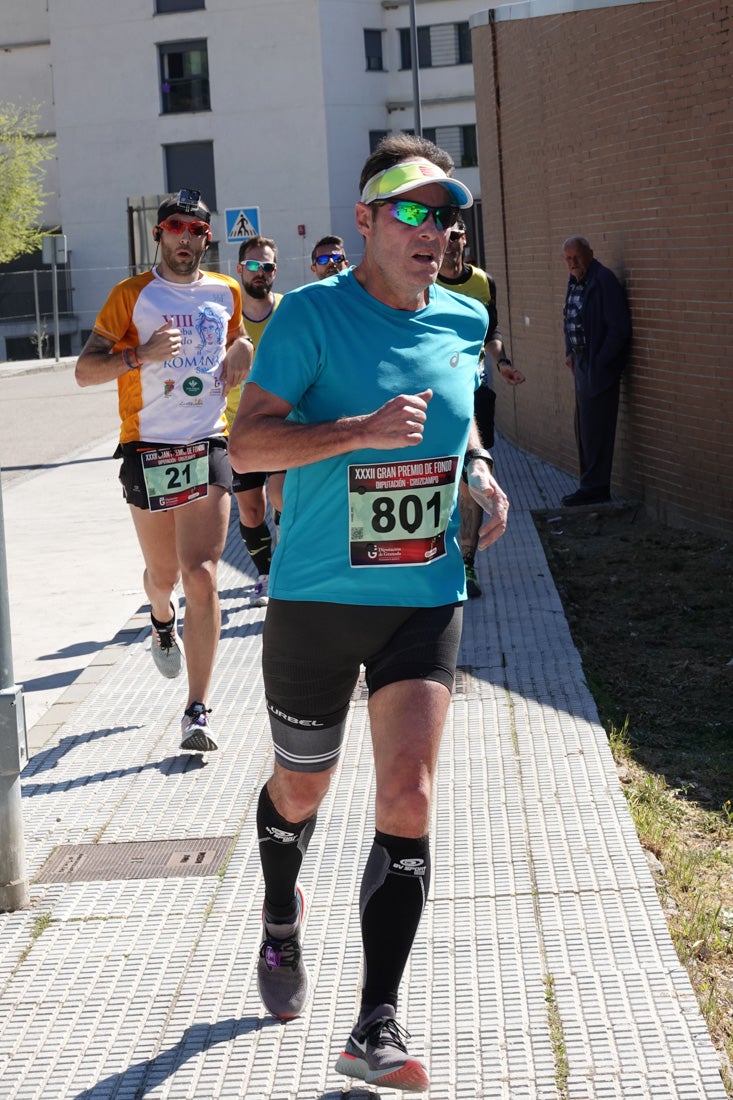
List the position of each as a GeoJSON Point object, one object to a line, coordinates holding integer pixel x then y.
{"type": "Point", "coordinates": [257, 265]}
{"type": "Point", "coordinates": [415, 213]}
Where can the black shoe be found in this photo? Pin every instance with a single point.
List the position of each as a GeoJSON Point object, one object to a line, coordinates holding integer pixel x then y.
{"type": "Point", "coordinates": [584, 496]}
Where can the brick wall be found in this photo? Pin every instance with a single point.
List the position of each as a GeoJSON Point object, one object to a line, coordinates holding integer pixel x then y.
{"type": "Point", "coordinates": [617, 124]}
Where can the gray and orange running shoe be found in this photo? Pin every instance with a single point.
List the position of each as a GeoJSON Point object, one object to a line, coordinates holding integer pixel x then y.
{"type": "Point", "coordinates": [376, 1052]}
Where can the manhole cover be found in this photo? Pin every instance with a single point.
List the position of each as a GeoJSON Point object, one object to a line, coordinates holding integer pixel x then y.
{"type": "Point", "coordinates": [138, 859]}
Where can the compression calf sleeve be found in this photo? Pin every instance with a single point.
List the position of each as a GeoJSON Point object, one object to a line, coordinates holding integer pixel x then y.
{"type": "Point", "coordinates": [258, 541]}
{"type": "Point", "coordinates": [393, 894]}
{"type": "Point", "coordinates": [282, 849]}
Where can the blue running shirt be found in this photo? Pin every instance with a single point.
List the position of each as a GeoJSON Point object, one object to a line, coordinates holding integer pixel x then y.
{"type": "Point", "coordinates": [373, 527]}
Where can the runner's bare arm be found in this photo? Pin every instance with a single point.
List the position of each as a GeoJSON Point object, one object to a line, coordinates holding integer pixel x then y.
{"type": "Point", "coordinates": [262, 438]}
{"type": "Point", "coordinates": [99, 363]}
{"type": "Point", "coordinates": [487, 492]}
{"type": "Point", "coordinates": [237, 362]}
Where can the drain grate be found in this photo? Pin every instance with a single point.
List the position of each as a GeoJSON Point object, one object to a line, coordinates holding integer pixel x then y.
{"type": "Point", "coordinates": [192, 856]}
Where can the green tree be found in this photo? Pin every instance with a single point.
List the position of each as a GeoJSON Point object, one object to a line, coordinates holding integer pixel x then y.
{"type": "Point", "coordinates": [23, 154]}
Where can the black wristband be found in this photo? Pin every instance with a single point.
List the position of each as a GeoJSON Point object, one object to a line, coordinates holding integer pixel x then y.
{"type": "Point", "coordinates": [478, 452]}
{"type": "Point", "coordinates": [503, 360]}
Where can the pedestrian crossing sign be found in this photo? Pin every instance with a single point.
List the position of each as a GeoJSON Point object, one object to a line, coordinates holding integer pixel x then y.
{"type": "Point", "coordinates": [242, 222]}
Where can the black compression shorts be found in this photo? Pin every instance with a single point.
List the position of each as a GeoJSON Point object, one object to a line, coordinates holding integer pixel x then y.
{"type": "Point", "coordinates": [242, 482]}
{"type": "Point", "coordinates": [311, 658]}
{"type": "Point", "coordinates": [484, 400]}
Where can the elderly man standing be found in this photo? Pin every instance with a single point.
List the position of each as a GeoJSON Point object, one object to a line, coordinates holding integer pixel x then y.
{"type": "Point", "coordinates": [597, 327]}
{"type": "Point", "coordinates": [363, 389]}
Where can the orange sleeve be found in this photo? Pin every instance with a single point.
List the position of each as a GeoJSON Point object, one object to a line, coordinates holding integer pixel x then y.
{"type": "Point", "coordinates": [235, 326]}
{"type": "Point", "coordinates": [114, 320]}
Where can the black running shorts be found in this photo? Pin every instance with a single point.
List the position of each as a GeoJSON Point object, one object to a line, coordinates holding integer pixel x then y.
{"type": "Point", "coordinates": [311, 658]}
{"type": "Point", "coordinates": [242, 482]}
{"type": "Point", "coordinates": [484, 400]}
{"type": "Point", "coordinates": [131, 470]}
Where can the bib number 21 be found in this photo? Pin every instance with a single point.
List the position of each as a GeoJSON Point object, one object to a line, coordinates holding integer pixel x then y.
{"type": "Point", "coordinates": [176, 475]}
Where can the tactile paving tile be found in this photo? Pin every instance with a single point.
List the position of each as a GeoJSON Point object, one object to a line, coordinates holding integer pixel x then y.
{"type": "Point", "coordinates": [148, 988]}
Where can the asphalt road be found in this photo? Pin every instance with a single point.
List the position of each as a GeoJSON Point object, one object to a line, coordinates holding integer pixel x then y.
{"type": "Point", "coordinates": [74, 567]}
{"type": "Point", "coordinates": [46, 418]}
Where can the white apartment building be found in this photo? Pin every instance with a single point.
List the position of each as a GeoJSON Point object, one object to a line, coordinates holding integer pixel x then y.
{"type": "Point", "coordinates": [266, 106]}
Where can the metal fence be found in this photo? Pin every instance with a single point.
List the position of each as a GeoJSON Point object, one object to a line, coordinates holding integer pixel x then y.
{"type": "Point", "coordinates": [30, 329]}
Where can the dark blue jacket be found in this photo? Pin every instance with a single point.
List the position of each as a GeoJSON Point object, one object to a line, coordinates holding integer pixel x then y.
{"type": "Point", "coordinates": [607, 326]}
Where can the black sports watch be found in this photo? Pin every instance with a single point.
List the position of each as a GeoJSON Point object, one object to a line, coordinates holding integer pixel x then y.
{"type": "Point", "coordinates": [478, 452]}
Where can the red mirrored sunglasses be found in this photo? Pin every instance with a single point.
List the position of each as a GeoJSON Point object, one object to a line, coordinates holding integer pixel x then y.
{"type": "Point", "coordinates": [179, 227]}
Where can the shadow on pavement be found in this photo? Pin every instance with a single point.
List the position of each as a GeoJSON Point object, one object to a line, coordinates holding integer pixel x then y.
{"type": "Point", "coordinates": [145, 1077]}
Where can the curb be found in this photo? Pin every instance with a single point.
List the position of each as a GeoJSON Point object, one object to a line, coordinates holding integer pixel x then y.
{"type": "Point", "coordinates": [29, 366]}
{"type": "Point", "coordinates": [48, 726]}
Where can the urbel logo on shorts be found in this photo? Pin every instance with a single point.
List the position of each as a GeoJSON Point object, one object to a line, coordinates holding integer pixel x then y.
{"type": "Point", "coordinates": [312, 723]}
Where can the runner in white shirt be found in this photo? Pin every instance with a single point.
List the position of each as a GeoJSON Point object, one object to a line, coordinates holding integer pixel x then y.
{"type": "Point", "coordinates": [174, 339]}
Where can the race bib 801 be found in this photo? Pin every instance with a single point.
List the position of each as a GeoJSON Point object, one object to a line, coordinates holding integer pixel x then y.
{"type": "Point", "coordinates": [399, 511]}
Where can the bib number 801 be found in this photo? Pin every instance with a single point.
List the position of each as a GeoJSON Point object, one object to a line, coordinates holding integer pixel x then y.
{"type": "Point", "coordinates": [410, 513]}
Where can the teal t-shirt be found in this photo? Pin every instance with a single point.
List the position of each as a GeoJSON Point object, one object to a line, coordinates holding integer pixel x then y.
{"type": "Point", "coordinates": [372, 527]}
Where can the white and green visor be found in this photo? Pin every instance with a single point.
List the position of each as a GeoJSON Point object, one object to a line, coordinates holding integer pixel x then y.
{"type": "Point", "coordinates": [411, 174]}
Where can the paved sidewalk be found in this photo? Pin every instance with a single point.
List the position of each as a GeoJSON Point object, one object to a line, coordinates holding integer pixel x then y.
{"type": "Point", "coordinates": [34, 366]}
{"type": "Point", "coordinates": [74, 573]}
{"type": "Point", "coordinates": [542, 945]}
{"type": "Point", "coordinates": [74, 567]}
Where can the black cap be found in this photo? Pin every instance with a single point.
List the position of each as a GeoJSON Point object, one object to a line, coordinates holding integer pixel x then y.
{"type": "Point", "coordinates": [186, 201]}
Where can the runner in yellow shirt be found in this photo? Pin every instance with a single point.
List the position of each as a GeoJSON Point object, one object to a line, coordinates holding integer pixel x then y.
{"type": "Point", "coordinates": [257, 269]}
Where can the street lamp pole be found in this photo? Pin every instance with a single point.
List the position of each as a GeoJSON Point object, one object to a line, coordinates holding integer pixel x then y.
{"type": "Point", "coordinates": [415, 72]}
{"type": "Point", "coordinates": [13, 757]}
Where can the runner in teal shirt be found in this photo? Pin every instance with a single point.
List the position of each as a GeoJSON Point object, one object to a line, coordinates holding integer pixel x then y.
{"type": "Point", "coordinates": [363, 391]}
{"type": "Point", "coordinates": [401, 508]}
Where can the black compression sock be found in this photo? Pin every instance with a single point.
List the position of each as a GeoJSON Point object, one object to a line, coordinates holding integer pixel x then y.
{"type": "Point", "coordinates": [393, 893]}
{"type": "Point", "coordinates": [282, 848]}
{"type": "Point", "coordinates": [258, 541]}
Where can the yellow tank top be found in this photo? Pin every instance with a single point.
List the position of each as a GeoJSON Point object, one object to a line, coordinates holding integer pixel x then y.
{"type": "Point", "coordinates": [255, 330]}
